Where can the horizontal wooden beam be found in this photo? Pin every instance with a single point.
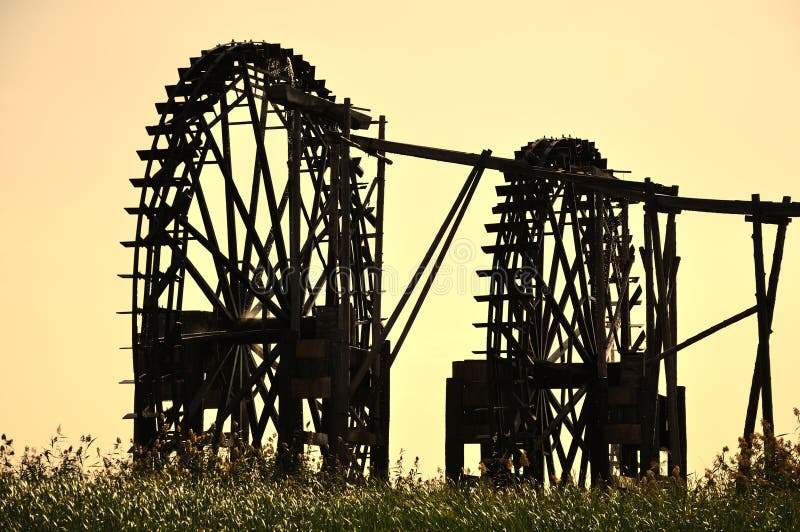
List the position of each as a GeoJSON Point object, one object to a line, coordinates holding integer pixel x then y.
{"type": "Point", "coordinates": [602, 181]}
{"type": "Point", "coordinates": [664, 198]}
{"type": "Point", "coordinates": [286, 95]}
{"type": "Point", "coordinates": [771, 210]}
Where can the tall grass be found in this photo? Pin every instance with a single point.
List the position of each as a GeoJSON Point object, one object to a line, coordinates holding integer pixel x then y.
{"type": "Point", "coordinates": [63, 488]}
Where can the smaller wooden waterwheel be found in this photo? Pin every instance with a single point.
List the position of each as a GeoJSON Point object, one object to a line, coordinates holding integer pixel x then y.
{"type": "Point", "coordinates": [560, 394]}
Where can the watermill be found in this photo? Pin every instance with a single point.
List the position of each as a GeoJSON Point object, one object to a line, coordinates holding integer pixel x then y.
{"type": "Point", "coordinates": [256, 286]}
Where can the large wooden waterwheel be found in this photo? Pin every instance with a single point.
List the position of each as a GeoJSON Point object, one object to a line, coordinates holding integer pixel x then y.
{"type": "Point", "coordinates": [257, 257]}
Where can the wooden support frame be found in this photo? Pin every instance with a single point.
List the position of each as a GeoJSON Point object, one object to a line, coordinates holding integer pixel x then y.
{"type": "Point", "coordinates": [766, 294]}
{"type": "Point", "coordinates": [563, 244]}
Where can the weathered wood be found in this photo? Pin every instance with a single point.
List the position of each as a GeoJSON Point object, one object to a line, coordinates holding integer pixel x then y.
{"type": "Point", "coordinates": [664, 201]}
{"type": "Point", "coordinates": [475, 394]}
{"type": "Point", "coordinates": [682, 419]}
{"type": "Point", "coordinates": [766, 208]}
{"type": "Point", "coordinates": [312, 348]}
{"type": "Point", "coordinates": [624, 433]}
{"type": "Point", "coordinates": [764, 322]}
{"type": "Point", "coordinates": [625, 298]}
{"type": "Point", "coordinates": [598, 398]}
{"type": "Point", "coordinates": [379, 458]}
{"type": "Point", "coordinates": [470, 370]}
{"type": "Point", "coordinates": [311, 388]}
{"type": "Point", "coordinates": [665, 262]}
{"type": "Point", "coordinates": [765, 303]}
{"type": "Point", "coordinates": [703, 334]}
{"type": "Point", "coordinates": [380, 453]}
{"type": "Point", "coordinates": [623, 395]}
{"type": "Point", "coordinates": [601, 181]}
{"type": "Point", "coordinates": [287, 95]}
{"type": "Point", "coordinates": [649, 450]}
{"type": "Point", "coordinates": [361, 437]}
{"type": "Point", "coordinates": [453, 439]}
{"type": "Point", "coordinates": [340, 357]}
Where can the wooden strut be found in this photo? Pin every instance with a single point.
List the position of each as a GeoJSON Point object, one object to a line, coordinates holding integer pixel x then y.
{"type": "Point", "coordinates": [380, 454]}
{"type": "Point", "coordinates": [451, 221]}
{"type": "Point", "coordinates": [475, 176]}
{"type": "Point", "coordinates": [459, 208]}
{"type": "Point", "coordinates": [703, 334]}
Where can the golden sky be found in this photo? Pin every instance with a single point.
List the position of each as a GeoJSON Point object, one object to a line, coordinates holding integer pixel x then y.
{"type": "Point", "coordinates": [700, 94]}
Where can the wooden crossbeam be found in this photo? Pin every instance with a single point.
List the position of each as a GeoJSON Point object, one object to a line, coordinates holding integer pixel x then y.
{"type": "Point", "coordinates": [665, 197]}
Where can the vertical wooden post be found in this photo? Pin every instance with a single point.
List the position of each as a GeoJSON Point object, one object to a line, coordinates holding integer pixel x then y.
{"type": "Point", "coordinates": [380, 413]}
{"type": "Point", "coordinates": [624, 300]}
{"type": "Point", "coordinates": [763, 320]}
{"type": "Point", "coordinates": [453, 418]}
{"type": "Point", "coordinates": [680, 391]}
{"type": "Point", "coordinates": [380, 456]}
{"type": "Point", "coordinates": [331, 285]}
{"type": "Point", "coordinates": [682, 427]}
{"type": "Point", "coordinates": [193, 380]}
{"type": "Point", "coordinates": [598, 444]}
{"type": "Point", "coordinates": [631, 362]}
{"type": "Point", "coordinates": [664, 262]}
{"type": "Point", "coordinates": [761, 373]}
{"type": "Point", "coordinates": [340, 356]}
{"type": "Point", "coordinates": [649, 391]}
{"type": "Point", "coordinates": [290, 416]}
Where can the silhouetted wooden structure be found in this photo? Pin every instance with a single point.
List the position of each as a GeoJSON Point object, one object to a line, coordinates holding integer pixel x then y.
{"type": "Point", "coordinates": [256, 302]}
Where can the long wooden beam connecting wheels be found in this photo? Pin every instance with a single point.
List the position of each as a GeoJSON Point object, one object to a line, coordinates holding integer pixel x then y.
{"type": "Point", "coordinates": [255, 277]}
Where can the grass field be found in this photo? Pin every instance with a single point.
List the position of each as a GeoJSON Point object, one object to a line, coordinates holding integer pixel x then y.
{"type": "Point", "coordinates": [757, 487]}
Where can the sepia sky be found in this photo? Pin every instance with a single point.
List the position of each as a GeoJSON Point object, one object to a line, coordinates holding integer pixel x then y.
{"type": "Point", "coordinates": [703, 95]}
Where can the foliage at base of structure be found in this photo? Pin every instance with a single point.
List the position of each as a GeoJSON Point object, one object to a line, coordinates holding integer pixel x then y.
{"type": "Point", "coordinates": [63, 488]}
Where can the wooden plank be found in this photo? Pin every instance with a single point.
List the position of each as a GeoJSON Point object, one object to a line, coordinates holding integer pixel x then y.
{"type": "Point", "coordinates": [475, 394]}
{"type": "Point", "coordinates": [624, 433]}
{"type": "Point", "coordinates": [470, 370]}
{"type": "Point", "coordinates": [312, 348]}
{"type": "Point", "coordinates": [311, 388]}
{"type": "Point", "coordinates": [623, 395]}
